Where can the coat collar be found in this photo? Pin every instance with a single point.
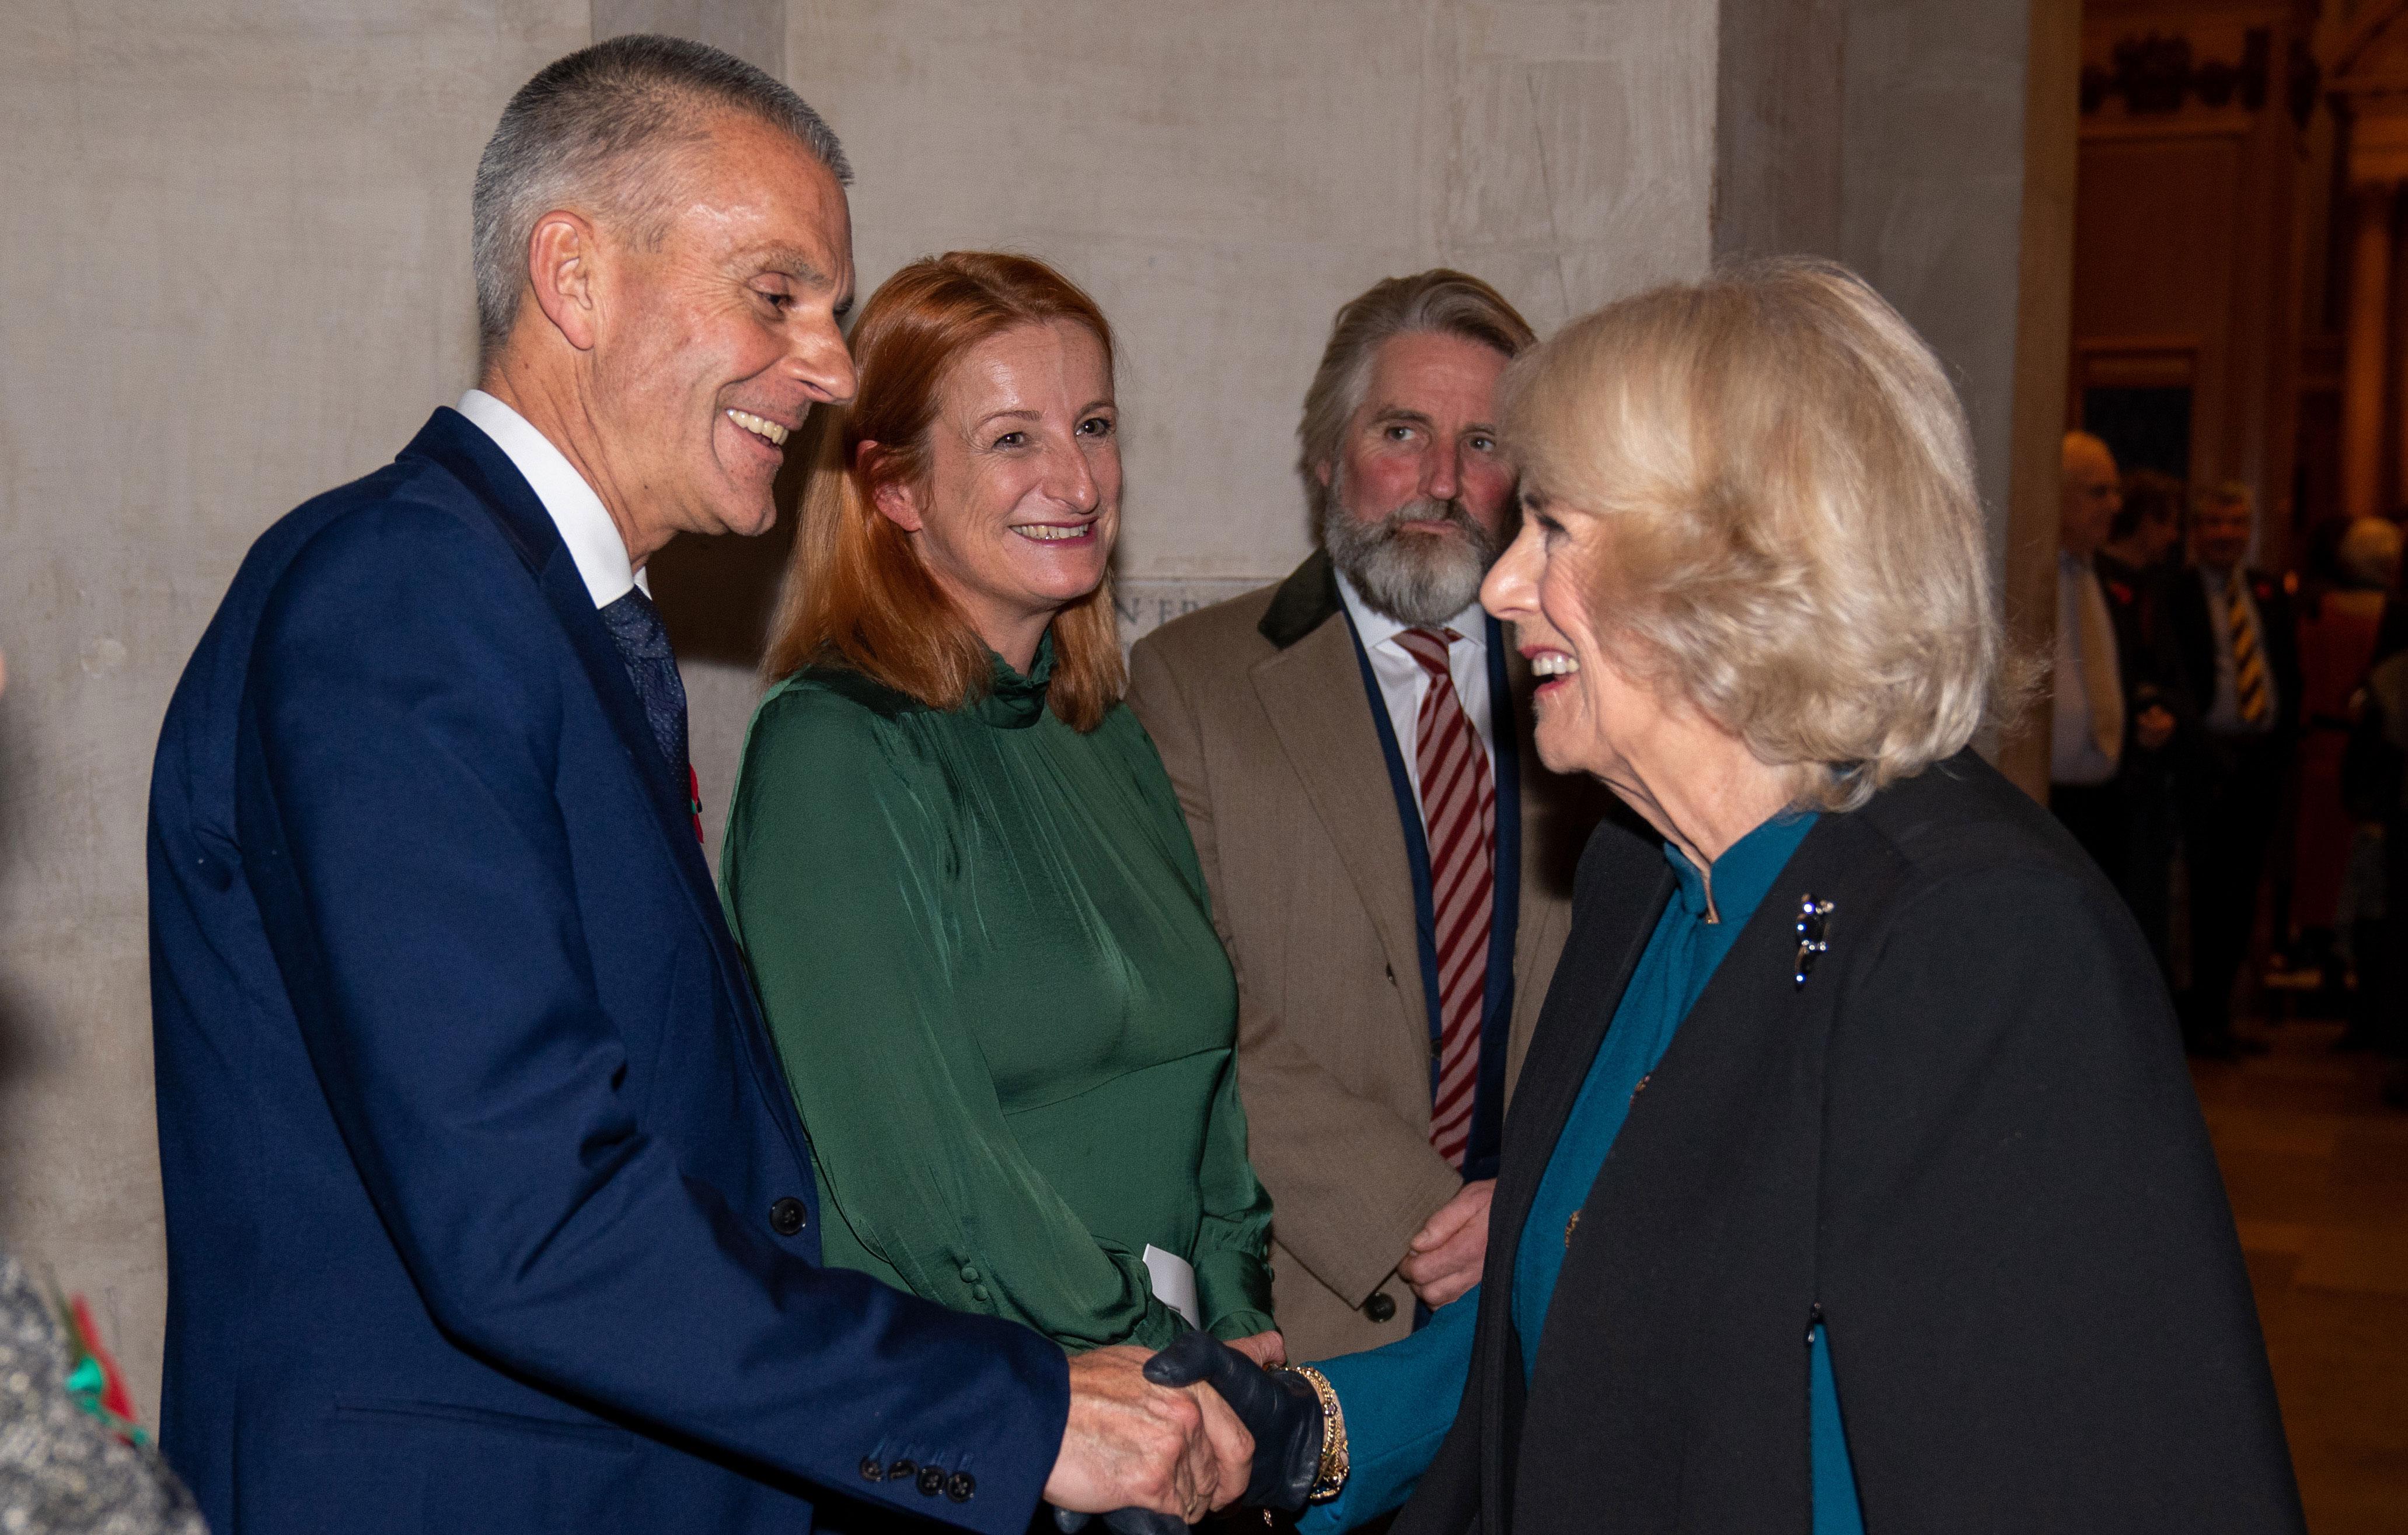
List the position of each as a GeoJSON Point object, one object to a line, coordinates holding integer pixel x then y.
{"type": "Point", "coordinates": [1305, 601]}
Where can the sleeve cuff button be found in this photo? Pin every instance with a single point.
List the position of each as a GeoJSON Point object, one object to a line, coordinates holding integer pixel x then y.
{"type": "Point", "coordinates": [960, 1487]}
{"type": "Point", "coordinates": [932, 1482]}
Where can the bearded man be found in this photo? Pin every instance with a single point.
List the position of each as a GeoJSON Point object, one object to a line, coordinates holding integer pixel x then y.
{"type": "Point", "coordinates": [1390, 866]}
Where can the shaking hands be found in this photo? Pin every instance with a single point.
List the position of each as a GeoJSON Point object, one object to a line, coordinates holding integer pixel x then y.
{"type": "Point", "coordinates": [1196, 1427]}
{"type": "Point", "coordinates": [1133, 1445]}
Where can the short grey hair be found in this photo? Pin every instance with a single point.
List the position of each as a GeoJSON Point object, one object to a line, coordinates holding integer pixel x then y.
{"type": "Point", "coordinates": [1439, 302]}
{"type": "Point", "coordinates": [592, 127]}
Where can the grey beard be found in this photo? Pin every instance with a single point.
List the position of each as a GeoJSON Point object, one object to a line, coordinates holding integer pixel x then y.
{"type": "Point", "coordinates": [1413, 579]}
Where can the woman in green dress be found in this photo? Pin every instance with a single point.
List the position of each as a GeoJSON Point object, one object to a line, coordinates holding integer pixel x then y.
{"type": "Point", "coordinates": [959, 873]}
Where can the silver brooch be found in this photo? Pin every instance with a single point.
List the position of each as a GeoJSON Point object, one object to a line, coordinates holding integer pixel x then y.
{"type": "Point", "coordinates": [1813, 935]}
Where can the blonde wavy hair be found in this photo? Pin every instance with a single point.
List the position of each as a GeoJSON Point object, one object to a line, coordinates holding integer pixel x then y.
{"type": "Point", "coordinates": [1794, 545]}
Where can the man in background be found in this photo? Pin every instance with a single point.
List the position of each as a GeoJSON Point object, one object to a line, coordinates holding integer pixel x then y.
{"type": "Point", "coordinates": [2238, 640]}
{"type": "Point", "coordinates": [2095, 719]}
{"type": "Point", "coordinates": [487, 1205]}
{"type": "Point", "coordinates": [1389, 864]}
{"type": "Point", "coordinates": [2132, 567]}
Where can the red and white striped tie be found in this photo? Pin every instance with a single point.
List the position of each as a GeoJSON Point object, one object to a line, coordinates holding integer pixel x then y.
{"type": "Point", "coordinates": [1459, 820]}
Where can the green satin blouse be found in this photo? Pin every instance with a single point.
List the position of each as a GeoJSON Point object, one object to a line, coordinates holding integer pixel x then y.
{"type": "Point", "coordinates": [982, 943]}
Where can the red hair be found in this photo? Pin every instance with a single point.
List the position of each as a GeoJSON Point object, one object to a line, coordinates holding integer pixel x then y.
{"type": "Point", "coordinates": [856, 594]}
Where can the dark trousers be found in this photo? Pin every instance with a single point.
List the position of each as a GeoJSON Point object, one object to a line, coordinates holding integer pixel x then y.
{"type": "Point", "coordinates": [2231, 820]}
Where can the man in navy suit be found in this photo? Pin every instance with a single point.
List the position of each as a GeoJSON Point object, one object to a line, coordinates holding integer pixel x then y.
{"type": "Point", "coordinates": [487, 1205]}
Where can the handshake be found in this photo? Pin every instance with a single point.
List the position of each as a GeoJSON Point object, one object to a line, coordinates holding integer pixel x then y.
{"type": "Point", "coordinates": [1170, 1437]}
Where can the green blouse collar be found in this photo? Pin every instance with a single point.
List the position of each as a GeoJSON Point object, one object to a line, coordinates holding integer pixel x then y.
{"type": "Point", "coordinates": [1014, 701]}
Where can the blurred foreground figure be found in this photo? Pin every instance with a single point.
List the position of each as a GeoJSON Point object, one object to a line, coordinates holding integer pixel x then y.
{"type": "Point", "coordinates": [487, 1208]}
{"type": "Point", "coordinates": [1857, 1181]}
{"type": "Point", "coordinates": [64, 1471]}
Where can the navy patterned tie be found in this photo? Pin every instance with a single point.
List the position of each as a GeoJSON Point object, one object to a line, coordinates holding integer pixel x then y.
{"type": "Point", "coordinates": [643, 642]}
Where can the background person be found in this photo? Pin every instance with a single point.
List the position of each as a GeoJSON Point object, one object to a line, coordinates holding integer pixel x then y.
{"type": "Point", "coordinates": [980, 936]}
{"type": "Point", "coordinates": [2337, 639]}
{"type": "Point", "coordinates": [485, 1208]}
{"type": "Point", "coordinates": [2232, 626]}
{"type": "Point", "coordinates": [2095, 721]}
{"type": "Point", "coordinates": [1389, 862]}
{"type": "Point", "coordinates": [2131, 568]}
{"type": "Point", "coordinates": [1908, 1220]}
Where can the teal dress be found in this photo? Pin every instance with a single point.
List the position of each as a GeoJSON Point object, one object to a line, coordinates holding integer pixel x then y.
{"type": "Point", "coordinates": [1400, 1400]}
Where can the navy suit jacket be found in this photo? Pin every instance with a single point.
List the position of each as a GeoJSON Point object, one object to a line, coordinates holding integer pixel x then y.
{"type": "Point", "coordinates": [470, 1131]}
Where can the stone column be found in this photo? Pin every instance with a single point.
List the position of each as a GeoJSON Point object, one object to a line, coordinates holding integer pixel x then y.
{"type": "Point", "coordinates": [2364, 368]}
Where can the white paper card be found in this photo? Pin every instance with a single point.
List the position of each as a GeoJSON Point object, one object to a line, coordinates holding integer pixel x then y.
{"type": "Point", "coordinates": [1174, 1282]}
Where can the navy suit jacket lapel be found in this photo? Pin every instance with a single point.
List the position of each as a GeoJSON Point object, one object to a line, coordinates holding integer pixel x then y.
{"type": "Point", "coordinates": [479, 463]}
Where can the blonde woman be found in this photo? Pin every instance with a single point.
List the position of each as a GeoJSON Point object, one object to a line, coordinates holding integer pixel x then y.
{"type": "Point", "coordinates": [1855, 1179]}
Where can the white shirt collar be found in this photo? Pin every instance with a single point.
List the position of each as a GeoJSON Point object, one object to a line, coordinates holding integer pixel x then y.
{"type": "Point", "coordinates": [1377, 627]}
{"type": "Point", "coordinates": [584, 524]}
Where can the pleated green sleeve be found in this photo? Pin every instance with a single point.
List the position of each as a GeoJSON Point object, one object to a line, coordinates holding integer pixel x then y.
{"type": "Point", "coordinates": [841, 847]}
{"type": "Point", "coordinates": [1233, 1281]}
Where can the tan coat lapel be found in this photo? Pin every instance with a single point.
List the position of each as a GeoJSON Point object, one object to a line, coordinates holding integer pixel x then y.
{"type": "Point", "coordinates": [1313, 694]}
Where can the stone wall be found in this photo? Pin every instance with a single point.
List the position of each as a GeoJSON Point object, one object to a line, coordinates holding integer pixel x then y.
{"type": "Point", "coordinates": [233, 273]}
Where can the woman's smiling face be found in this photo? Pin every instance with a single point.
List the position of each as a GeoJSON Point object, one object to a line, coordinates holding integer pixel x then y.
{"type": "Point", "coordinates": [1022, 502]}
{"type": "Point", "coordinates": [1593, 716]}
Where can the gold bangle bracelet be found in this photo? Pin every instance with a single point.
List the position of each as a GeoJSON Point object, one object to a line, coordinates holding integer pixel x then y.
{"type": "Point", "coordinates": [1329, 1480]}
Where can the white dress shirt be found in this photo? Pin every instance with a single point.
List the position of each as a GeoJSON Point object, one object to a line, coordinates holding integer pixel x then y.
{"type": "Point", "coordinates": [584, 524]}
{"type": "Point", "coordinates": [2224, 715]}
{"type": "Point", "coordinates": [2073, 755]}
{"type": "Point", "coordinates": [1402, 680]}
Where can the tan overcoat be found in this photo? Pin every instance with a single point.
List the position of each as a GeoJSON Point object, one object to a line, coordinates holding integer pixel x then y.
{"type": "Point", "coordinates": [1258, 707]}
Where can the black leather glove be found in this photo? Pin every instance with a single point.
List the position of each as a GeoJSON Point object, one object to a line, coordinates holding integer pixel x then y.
{"type": "Point", "coordinates": [1280, 1410]}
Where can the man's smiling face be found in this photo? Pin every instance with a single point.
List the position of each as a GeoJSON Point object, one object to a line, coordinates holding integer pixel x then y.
{"type": "Point", "coordinates": [720, 334]}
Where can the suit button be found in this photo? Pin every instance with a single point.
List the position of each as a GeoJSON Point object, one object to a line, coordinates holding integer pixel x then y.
{"type": "Point", "coordinates": [871, 1471]}
{"type": "Point", "coordinates": [786, 1216]}
{"type": "Point", "coordinates": [969, 1275]}
{"type": "Point", "coordinates": [932, 1481]}
{"type": "Point", "coordinates": [902, 1471]}
{"type": "Point", "coordinates": [977, 1293]}
{"type": "Point", "coordinates": [960, 1487]}
{"type": "Point", "coordinates": [1379, 1308]}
